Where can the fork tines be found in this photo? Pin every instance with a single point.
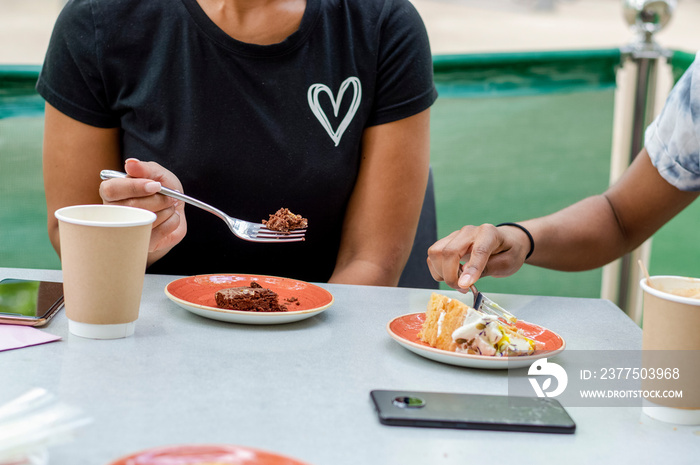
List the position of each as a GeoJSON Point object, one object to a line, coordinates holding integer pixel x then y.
{"type": "Point", "coordinates": [488, 306]}
{"type": "Point", "coordinates": [491, 307]}
{"type": "Point", "coordinates": [272, 235]}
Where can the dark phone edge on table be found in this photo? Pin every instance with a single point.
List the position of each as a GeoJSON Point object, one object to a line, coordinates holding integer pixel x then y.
{"type": "Point", "coordinates": [392, 414]}
{"type": "Point", "coordinates": [51, 309]}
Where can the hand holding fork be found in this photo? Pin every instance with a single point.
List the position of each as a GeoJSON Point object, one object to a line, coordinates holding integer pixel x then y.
{"type": "Point", "coordinates": [254, 232]}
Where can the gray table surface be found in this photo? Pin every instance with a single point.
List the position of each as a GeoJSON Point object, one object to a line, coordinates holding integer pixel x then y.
{"type": "Point", "coordinates": [302, 389]}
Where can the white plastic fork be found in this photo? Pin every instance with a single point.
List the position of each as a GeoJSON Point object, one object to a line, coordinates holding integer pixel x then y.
{"type": "Point", "coordinates": [254, 232]}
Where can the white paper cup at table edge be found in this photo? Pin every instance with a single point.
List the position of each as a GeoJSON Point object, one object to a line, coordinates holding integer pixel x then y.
{"type": "Point", "coordinates": [91, 331]}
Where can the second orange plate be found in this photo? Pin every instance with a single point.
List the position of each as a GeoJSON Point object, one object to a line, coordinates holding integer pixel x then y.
{"type": "Point", "coordinates": [404, 330]}
{"type": "Point", "coordinates": [205, 454]}
{"type": "Point", "coordinates": [196, 294]}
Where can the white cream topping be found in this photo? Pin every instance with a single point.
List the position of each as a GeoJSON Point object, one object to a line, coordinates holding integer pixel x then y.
{"type": "Point", "coordinates": [479, 333]}
{"type": "Point", "coordinates": [485, 335]}
{"type": "Point", "coordinates": [519, 346]}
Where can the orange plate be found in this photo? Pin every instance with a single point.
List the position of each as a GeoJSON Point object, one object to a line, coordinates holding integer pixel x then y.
{"type": "Point", "coordinates": [197, 295]}
{"type": "Point", "coordinates": [204, 454]}
{"type": "Point", "coordinates": [404, 330]}
{"type": "Point", "coordinates": [200, 290]}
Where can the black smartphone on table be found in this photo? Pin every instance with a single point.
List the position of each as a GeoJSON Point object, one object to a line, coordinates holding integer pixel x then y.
{"type": "Point", "coordinates": [29, 302]}
{"type": "Point", "coordinates": [471, 411]}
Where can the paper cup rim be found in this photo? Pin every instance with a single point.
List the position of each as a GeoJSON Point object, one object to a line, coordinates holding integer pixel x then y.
{"type": "Point", "coordinates": [668, 295]}
{"type": "Point", "coordinates": [148, 217]}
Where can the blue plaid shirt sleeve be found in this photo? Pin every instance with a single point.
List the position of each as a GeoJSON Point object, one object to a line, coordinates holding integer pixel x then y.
{"type": "Point", "coordinates": [673, 138]}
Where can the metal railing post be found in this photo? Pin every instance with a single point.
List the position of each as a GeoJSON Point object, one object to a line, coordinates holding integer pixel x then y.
{"type": "Point", "coordinates": [645, 17]}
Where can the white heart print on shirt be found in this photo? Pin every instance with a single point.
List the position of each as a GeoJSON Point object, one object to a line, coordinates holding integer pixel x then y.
{"type": "Point", "coordinates": [313, 94]}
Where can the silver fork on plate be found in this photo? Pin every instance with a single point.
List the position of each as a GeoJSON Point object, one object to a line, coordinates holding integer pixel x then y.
{"type": "Point", "coordinates": [488, 306]}
{"type": "Point", "coordinates": [254, 232]}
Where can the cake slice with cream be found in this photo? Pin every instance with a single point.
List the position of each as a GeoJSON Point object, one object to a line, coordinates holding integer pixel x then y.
{"type": "Point", "coordinates": [454, 326]}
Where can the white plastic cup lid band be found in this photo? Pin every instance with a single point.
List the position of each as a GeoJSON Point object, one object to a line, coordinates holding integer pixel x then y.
{"type": "Point", "coordinates": [92, 331]}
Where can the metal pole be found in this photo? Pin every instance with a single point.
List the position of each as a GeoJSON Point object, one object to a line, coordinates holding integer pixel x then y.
{"type": "Point", "coordinates": [645, 17]}
{"type": "Point", "coordinates": [642, 116]}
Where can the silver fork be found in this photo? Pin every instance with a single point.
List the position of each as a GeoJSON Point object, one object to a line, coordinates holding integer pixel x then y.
{"type": "Point", "coordinates": [254, 232]}
{"type": "Point", "coordinates": [488, 306]}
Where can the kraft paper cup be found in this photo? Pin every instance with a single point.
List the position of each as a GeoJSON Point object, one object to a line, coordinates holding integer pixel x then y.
{"type": "Point", "coordinates": [104, 249]}
{"type": "Point", "coordinates": [671, 347]}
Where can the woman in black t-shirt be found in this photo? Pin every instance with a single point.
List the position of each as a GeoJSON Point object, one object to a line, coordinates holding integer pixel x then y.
{"type": "Point", "coordinates": [320, 106]}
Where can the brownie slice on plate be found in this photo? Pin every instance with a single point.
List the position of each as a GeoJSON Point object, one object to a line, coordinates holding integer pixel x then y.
{"type": "Point", "coordinates": [253, 298]}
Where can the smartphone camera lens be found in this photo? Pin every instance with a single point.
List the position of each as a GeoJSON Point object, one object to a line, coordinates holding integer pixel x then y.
{"type": "Point", "coordinates": [408, 402]}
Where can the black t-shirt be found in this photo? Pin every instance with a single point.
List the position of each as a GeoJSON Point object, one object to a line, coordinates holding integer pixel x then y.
{"type": "Point", "coordinates": [247, 128]}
